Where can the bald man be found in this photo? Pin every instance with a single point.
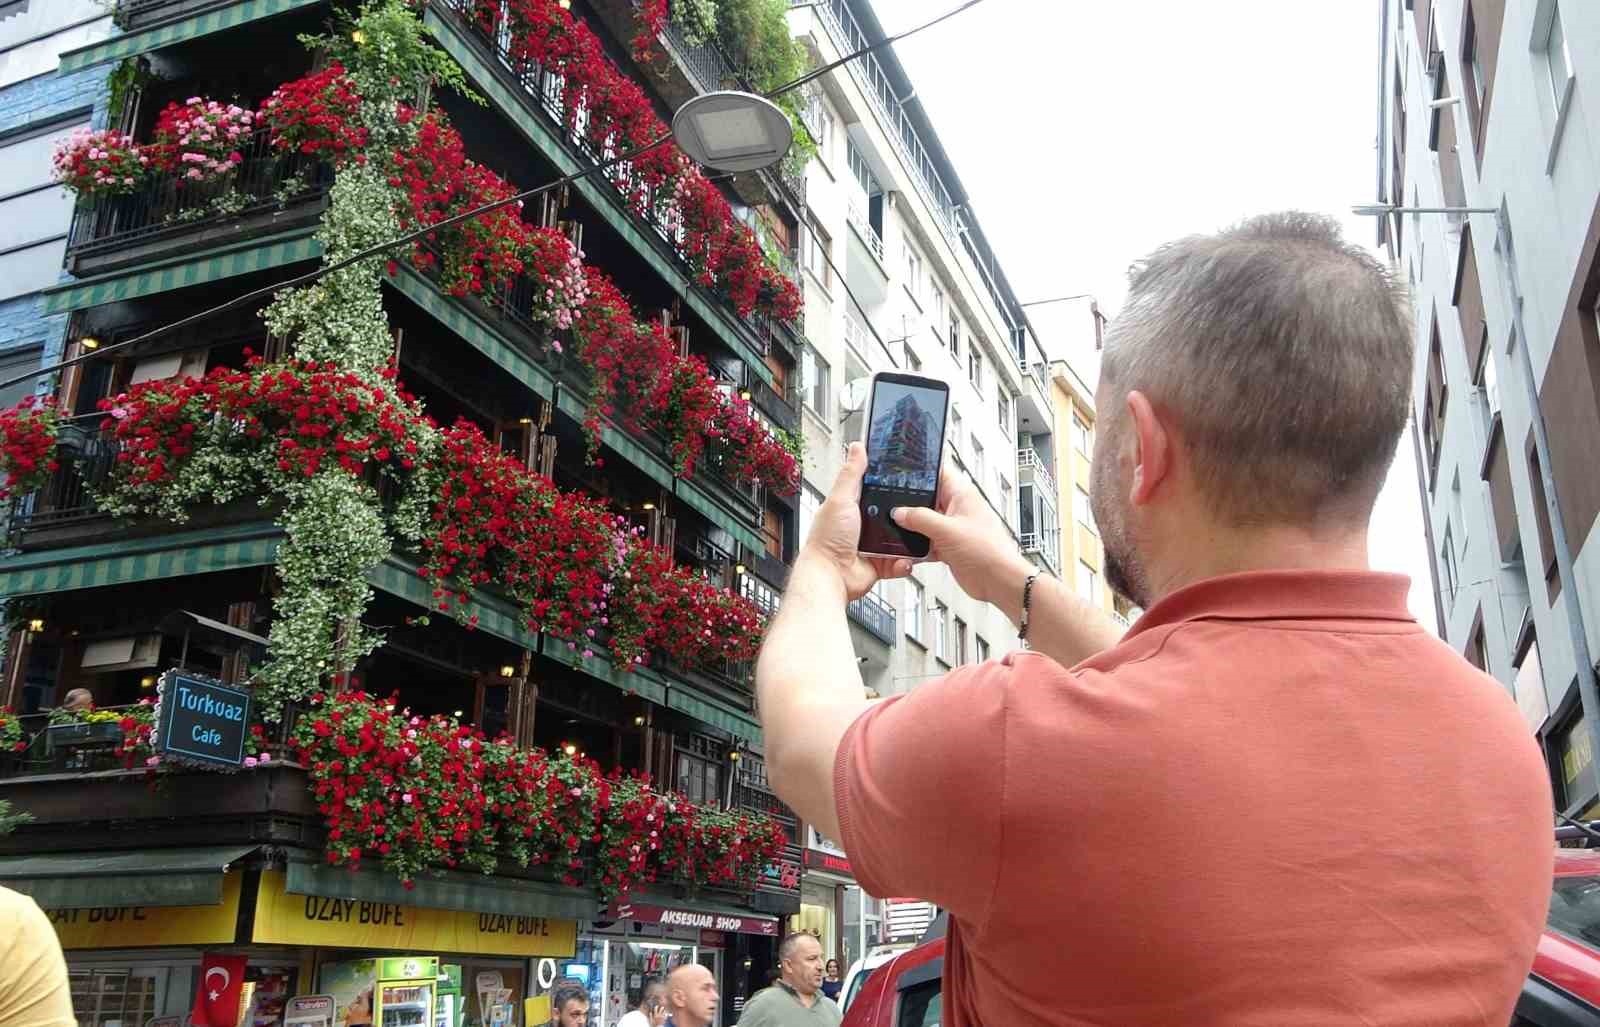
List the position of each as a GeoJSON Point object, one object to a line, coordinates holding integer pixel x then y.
{"type": "Point", "coordinates": [692, 996]}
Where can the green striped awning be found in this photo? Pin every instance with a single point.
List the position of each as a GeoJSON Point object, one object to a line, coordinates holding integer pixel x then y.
{"type": "Point", "coordinates": [398, 577]}
{"type": "Point", "coordinates": [240, 260]}
{"type": "Point", "coordinates": [484, 339]}
{"type": "Point", "coordinates": [697, 499]}
{"type": "Point", "coordinates": [619, 441]}
{"type": "Point", "coordinates": [732, 721]}
{"type": "Point", "coordinates": [638, 681]}
{"type": "Point", "coordinates": [132, 560]}
{"type": "Point", "coordinates": [514, 105]}
{"type": "Point", "coordinates": [176, 32]}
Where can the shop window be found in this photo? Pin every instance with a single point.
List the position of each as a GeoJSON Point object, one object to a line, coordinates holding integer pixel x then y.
{"type": "Point", "coordinates": [111, 998]}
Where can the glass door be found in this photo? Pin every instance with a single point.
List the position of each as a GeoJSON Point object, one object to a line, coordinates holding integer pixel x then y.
{"type": "Point", "coordinates": [116, 997]}
{"type": "Point", "coordinates": [406, 1004]}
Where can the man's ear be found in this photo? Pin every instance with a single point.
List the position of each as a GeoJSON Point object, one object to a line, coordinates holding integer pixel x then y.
{"type": "Point", "coordinates": [1153, 449]}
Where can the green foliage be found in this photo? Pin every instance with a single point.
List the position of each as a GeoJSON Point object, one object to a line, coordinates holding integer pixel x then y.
{"type": "Point", "coordinates": [755, 35]}
{"type": "Point", "coordinates": [10, 821]}
{"type": "Point", "coordinates": [130, 76]}
{"type": "Point", "coordinates": [385, 47]}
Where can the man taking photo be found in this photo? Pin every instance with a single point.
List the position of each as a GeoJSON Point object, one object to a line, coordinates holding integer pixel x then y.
{"type": "Point", "coordinates": [1276, 800]}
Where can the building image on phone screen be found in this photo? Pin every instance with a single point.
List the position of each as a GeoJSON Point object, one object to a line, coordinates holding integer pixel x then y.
{"type": "Point", "coordinates": [903, 443]}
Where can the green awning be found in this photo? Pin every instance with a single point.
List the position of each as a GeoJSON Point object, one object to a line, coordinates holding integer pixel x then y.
{"type": "Point", "coordinates": [148, 877]}
{"type": "Point", "coordinates": [620, 441]}
{"type": "Point", "coordinates": [259, 255]}
{"type": "Point", "coordinates": [398, 577]}
{"type": "Point", "coordinates": [640, 681]}
{"type": "Point", "coordinates": [732, 721]}
{"type": "Point", "coordinates": [131, 560]}
{"type": "Point", "coordinates": [176, 32]}
{"type": "Point", "coordinates": [514, 104]}
{"type": "Point", "coordinates": [482, 338]}
{"type": "Point", "coordinates": [472, 893]}
{"type": "Point", "coordinates": [697, 499]}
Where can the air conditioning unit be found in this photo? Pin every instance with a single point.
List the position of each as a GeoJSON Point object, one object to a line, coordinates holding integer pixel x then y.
{"type": "Point", "coordinates": [110, 655]}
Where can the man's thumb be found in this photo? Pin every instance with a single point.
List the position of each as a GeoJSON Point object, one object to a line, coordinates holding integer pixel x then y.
{"type": "Point", "coordinates": [923, 520]}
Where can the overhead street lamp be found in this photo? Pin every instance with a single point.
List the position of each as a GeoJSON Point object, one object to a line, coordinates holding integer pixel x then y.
{"type": "Point", "coordinates": [733, 131]}
{"type": "Point", "coordinates": [1588, 693]}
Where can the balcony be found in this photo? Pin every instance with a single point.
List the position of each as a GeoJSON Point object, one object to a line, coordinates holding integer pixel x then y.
{"type": "Point", "coordinates": [876, 616]}
{"type": "Point", "coordinates": [545, 95]}
{"type": "Point", "coordinates": [1032, 469]}
{"type": "Point", "coordinates": [270, 192]}
{"type": "Point", "coordinates": [1035, 409]}
{"type": "Point", "coordinates": [136, 15]}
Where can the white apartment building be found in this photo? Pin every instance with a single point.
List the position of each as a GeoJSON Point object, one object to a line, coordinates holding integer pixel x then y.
{"type": "Point", "coordinates": [928, 299]}
{"type": "Point", "coordinates": [1495, 105]}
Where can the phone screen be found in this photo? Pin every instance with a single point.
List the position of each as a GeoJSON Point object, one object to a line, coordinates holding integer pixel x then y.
{"type": "Point", "coordinates": [905, 438]}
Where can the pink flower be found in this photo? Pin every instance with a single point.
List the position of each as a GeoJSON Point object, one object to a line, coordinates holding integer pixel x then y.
{"type": "Point", "coordinates": [153, 761]}
{"type": "Point", "coordinates": [250, 762]}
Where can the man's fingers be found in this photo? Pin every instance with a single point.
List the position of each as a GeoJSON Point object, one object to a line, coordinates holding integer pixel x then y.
{"type": "Point", "coordinates": [950, 485]}
{"type": "Point", "coordinates": [854, 468]}
{"type": "Point", "coordinates": [923, 521]}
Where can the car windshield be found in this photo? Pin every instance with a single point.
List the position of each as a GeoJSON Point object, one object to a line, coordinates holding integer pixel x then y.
{"type": "Point", "coordinates": [1575, 908]}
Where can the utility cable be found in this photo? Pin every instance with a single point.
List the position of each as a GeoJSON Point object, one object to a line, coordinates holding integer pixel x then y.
{"type": "Point", "coordinates": [382, 248]}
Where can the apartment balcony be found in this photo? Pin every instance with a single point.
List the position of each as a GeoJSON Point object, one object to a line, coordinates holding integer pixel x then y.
{"type": "Point", "coordinates": [1035, 409]}
{"type": "Point", "coordinates": [1032, 469]}
{"type": "Point", "coordinates": [864, 268]}
{"type": "Point", "coordinates": [876, 616]}
{"type": "Point", "coordinates": [268, 193]}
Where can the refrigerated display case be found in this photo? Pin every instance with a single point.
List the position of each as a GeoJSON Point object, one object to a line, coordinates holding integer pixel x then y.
{"type": "Point", "coordinates": [407, 991]}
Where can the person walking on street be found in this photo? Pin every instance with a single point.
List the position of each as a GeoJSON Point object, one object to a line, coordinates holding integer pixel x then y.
{"type": "Point", "coordinates": [1276, 715]}
{"type": "Point", "coordinates": [652, 1008]}
{"type": "Point", "coordinates": [691, 996]}
{"type": "Point", "coordinates": [830, 980]}
{"type": "Point", "coordinates": [33, 972]}
{"type": "Point", "coordinates": [797, 998]}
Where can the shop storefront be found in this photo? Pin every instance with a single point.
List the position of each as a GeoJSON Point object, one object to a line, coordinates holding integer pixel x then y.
{"type": "Point", "coordinates": [845, 918]}
{"type": "Point", "coordinates": [390, 963]}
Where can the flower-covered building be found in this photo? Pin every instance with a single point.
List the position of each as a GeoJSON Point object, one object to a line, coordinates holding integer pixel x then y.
{"type": "Point", "coordinates": [486, 528]}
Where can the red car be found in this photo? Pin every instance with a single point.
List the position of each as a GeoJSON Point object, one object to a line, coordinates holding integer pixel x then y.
{"type": "Point", "coordinates": [1562, 991]}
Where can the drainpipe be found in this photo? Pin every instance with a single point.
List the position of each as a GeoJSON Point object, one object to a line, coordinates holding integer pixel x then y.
{"type": "Point", "coordinates": [1427, 524]}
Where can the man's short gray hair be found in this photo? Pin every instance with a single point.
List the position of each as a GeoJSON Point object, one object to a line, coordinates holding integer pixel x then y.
{"type": "Point", "coordinates": [1285, 356]}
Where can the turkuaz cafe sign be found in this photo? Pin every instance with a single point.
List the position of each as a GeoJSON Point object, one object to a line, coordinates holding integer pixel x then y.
{"type": "Point", "coordinates": [201, 722]}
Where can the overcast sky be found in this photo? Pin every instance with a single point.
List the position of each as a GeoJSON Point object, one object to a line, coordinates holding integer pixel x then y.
{"type": "Point", "coordinates": [1088, 133]}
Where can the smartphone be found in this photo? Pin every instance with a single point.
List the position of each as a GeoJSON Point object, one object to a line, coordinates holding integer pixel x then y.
{"type": "Point", "coordinates": [904, 436]}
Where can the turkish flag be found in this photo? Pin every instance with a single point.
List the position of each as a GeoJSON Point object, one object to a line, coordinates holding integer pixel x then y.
{"type": "Point", "coordinates": [216, 1003]}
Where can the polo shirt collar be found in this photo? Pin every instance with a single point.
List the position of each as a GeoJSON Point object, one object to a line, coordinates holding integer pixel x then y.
{"type": "Point", "coordinates": [1284, 595]}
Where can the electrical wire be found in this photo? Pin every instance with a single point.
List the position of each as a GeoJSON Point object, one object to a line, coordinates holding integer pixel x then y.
{"type": "Point", "coordinates": [382, 248]}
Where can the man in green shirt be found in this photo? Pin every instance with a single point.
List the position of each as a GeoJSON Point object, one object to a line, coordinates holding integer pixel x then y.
{"type": "Point", "coordinates": [797, 998]}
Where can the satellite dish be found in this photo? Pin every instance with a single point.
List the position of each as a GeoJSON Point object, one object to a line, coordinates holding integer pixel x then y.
{"type": "Point", "coordinates": [853, 395]}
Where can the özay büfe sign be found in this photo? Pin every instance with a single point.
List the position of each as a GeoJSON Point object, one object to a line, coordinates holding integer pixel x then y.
{"type": "Point", "coordinates": [201, 721]}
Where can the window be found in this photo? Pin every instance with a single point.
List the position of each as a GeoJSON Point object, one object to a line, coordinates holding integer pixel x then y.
{"type": "Point", "coordinates": [955, 338]}
{"type": "Point", "coordinates": [983, 650]}
{"type": "Point", "coordinates": [1458, 517]}
{"type": "Point", "coordinates": [810, 501]}
{"type": "Point", "coordinates": [1559, 60]}
{"type": "Point", "coordinates": [814, 380]}
{"type": "Point", "coordinates": [14, 363]}
{"type": "Point", "coordinates": [821, 119]}
{"type": "Point", "coordinates": [941, 628]}
{"type": "Point", "coordinates": [936, 299]}
{"type": "Point", "coordinates": [1448, 560]}
{"type": "Point", "coordinates": [698, 773]}
{"type": "Point", "coordinates": [974, 365]}
{"type": "Point", "coordinates": [1472, 68]}
{"type": "Point", "coordinates": [1082, 438]}
{"type": "Point", "coordinates": [816, 250]}
{"type": "Point", "coordinates": [913, 609]}
{"type": "Point", "coordinates": [921, 1006]}
{"type": "Point", "coordinates": [955, 429]}
{"type": "Point", "coordinates": [912, 363]}
{"type": "Point", "coordinates": [913, 272]}
{"type": "Point", "coordinates": [1528, 686]}
{"type": "Point", "coordinates": [1488, 385]}
{"type": "Point", "coordinates": [1005, 407]}
{"type": "Point", "coordinates": [1007, 508]}
{"type": "Point", "coordinates": [1081, 510]}
{"type": "Point", "coordinates": [1476, 652]}
{"type": "Point", "coordinates": [35, 214]}
{"type": "Point", "coordinates": [1088, 582]}
{"type": "Point", "coordinates": [760, 594]}
{"type": "Point", "coordinates": [1541, 517]}
{"type": "Point", "coordinates": [977, 460]}
{"type": "Point", "coordinates": [961, 641]}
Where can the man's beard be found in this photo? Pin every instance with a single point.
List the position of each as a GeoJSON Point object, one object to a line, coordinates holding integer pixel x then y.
{"type": "Point", "coordinates": [1124, 571]}
{"type": "Point", "coordinates": [1125, 576]}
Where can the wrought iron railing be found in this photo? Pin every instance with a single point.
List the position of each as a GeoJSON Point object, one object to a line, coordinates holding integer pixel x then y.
{"type": "Point", "coordinates": [567, 117]}
{"type": "Point", "coordinates": [875, 615]}
{"type": "Point", "coordinates": [85, 458]}
{"type": "Point", "coordinates": [266, 179]}
{"type": "Point", "coordinates": [1029, 460]}
{"type": "Point", "coordinates": [859, 220]}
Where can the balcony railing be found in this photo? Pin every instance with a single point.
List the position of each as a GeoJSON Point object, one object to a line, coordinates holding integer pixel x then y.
{"type": "Point", "coordinates": [863, 225]}
{"type": "Point", "coordinates": [877, 616]}
{"type": "Point", "coordinates": [1029, 461]}
{"type": "Point", "coordinates": [566, 117]}
{"type": "Point", "coordinates": [86, 458]}
{"type": "Point", "coordinates": [266, 185]}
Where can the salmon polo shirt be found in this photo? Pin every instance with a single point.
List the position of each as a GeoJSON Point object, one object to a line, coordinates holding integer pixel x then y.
{"type": "Point", "coordinates": [1277, 801]}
